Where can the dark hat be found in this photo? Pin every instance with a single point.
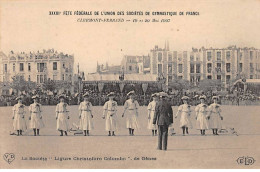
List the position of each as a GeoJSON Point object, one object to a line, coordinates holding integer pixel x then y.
{"type": "Point", "coordinates": [62, 96]}
{"type": "Point", "coordinates": [215, 97]}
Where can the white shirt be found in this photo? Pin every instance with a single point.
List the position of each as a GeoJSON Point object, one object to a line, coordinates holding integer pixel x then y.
{"type": "Point", "coordinates": [85, 106]}
{"type": "Point", "coordinates": [151, 106]}
{"type": "Point", "coordinates": [19, 108]}
{"type": "Point", "coordinates": [131, 105]}
{"type": "Point", "coordinates": [215, 108]}
{"type": "Point", "coordinates": [201, 108]}
{"type": "Point", "coordinates": [35, 108]}
{"type": "Point", "coordinates": [110, 105]}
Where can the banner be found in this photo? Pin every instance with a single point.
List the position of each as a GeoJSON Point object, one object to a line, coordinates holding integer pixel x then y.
{"type": "Point", "coordinates": [159, 86]}
{"type": "Point", "coordinates": [100, 87]}
{"type": "Point", "coordinates": [144, 86]}
{"type": "Point", "coordinates": [121, 85]}
{"type": "Point", "coordinates": [245, 88]}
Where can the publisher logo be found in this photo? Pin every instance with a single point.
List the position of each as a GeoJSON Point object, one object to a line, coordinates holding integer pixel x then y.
{"type": "Point", "coordinates": [246, 160]}
{"type": "Point", "coordinates": [9, 157]}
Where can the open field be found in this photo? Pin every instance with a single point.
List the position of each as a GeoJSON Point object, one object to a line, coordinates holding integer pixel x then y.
{"type": "Point", "coordinates": [193, 151]}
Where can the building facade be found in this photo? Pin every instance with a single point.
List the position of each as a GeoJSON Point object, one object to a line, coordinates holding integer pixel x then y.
{"type": "Point", "coordinates": [223, 64]}
{"type": "Point", "coordinates": [195, 67]}
{"type": "Point", "coordinates": [169, 64]}
{"type": "Point", "coordinates": [226, 64]}
{"type": "Point", "coordinates": [108, 69]}
{"type": "Point", "coordinates": [36, 67]}
{"type": "Point", "coordinates": [135, 64]}
{"type": "Point", "coordinates": [231, 63]}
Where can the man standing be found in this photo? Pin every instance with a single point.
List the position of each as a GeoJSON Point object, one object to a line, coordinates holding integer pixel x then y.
{"type": "Point", "coordinates": [163, 117]}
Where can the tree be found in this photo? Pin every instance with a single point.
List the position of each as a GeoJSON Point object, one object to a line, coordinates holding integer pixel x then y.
{"type": "Point", "coordinates": [179, 84]}
{"type": "Point", "coordinates": [210, 85]}
{"type": "Point", "coordinates": [49, 85]}
{"type": "Point", "coordinates": [19, 84]}
{"type": "Point", "coordinates": [66, 85]}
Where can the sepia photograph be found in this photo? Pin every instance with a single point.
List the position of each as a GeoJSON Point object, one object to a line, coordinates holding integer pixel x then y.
{"type": "Point", "coordinates": [129, 84]}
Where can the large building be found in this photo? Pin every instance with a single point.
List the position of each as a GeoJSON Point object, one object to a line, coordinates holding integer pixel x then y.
{"type": "Point", "coordinates": [106, 69]}
{"type": "Point", "coordinates": [226, 64]}
{"type": "Point", "coordinates": [136, 64]}
{"type": "Point", "coordinates": [170, 64]}
{"type": "Point", "coordinates": [129, 65]}
{"type": "Point", "coordinates": [36, 67]}
{"type": "Point", "coordinates": [231, 63]}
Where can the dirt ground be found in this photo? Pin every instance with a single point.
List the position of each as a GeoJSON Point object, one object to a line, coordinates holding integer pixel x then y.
{"type": "Point", "coordinates": [49, 150]}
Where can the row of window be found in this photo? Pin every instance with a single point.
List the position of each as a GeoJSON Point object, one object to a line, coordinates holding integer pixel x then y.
{"type": "Point", "coordinates": [43, 78]}
{"type": "Point", "coordinates": [40, 67]}
{"type": "Point", "coordinates": [219, 54]}
{"type": "Point", "coordinates": [194, 79]}
{"type": "Point", "coordinates": [198, 68]}
{"type": "Point", "coordinates": [169, 57]}
{"type": "Point", "coordinates": [228, 67]}
{"type": "Point", "coordinates": [219, 77]}
{"type": "Point", "coordinates": [209, 68]}
{"type": "Point", "coordinates": [192, 58]}
{"type": "Point", "coordinates": [227, 77]}
{"type": "Point", "coordinates": [218, 68]}
{"type": "Point", "coordinates": [209, 56]}
{"type": "Point", "coordinates": [21, 69]}
{"type": "Point", "coordinates": [180, 68]}
{"type": "Point", "coordinates": [192, 68]}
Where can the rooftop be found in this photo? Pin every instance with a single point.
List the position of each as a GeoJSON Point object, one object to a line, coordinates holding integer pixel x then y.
{"type": "Point", "coordinates": [45, 54]}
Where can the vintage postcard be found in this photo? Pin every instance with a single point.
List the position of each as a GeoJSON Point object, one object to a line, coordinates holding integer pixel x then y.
{"type": "Point", "coordinates": [129, 84]}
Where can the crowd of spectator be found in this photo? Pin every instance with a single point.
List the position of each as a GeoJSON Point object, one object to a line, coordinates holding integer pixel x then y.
{"type": "Point", "coordinates": [98, 99]}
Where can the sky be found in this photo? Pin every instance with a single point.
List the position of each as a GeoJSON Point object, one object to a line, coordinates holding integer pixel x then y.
{"type": "Point", "coordinates": [27, 26]}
